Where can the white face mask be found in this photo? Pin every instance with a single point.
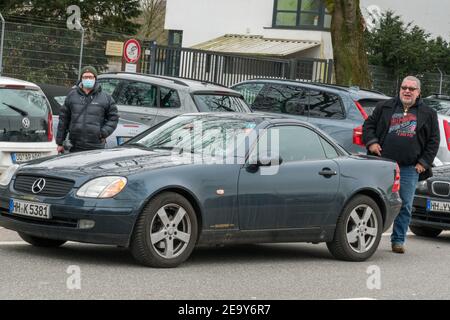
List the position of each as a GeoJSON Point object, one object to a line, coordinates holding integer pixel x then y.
{"type": "Point", "coordinates": [88, 83]}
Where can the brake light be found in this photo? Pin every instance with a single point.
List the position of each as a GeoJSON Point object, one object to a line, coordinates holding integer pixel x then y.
{"type": "Point", "coordinates": [447, 133]}
{"type": "Point", "coordinates": [49, 127]}
{"type": "Point", "coordinates": [358, 131]}
{"type": "Point", "coordinates": [361, 109]}
{"type": "Point", "coordinates": [357, 136]}
{"type": "Point", "coordinates": [396, 186]}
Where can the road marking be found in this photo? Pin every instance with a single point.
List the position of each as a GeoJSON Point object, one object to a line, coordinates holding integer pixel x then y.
{"type": "Point", "coordinates": [389, 233]}
{"type": "Point", "coordinates": [11, 243]}
{"type": "Point", "coordinates": [358, 299]}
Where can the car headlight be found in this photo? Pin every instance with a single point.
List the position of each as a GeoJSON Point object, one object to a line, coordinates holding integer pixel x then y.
{"type": "Point", "coordinates": [422, 186]}
{"type": "Point", "coordinates": [7, 175]}
{"type": "Point", "coordinates": [104, 187]}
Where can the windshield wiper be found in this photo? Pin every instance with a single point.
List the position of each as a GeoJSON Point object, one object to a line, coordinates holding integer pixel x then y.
{"type": "Point", "coordinates": [18, 110]}
{"type": "Point", "coordinates": [221, 106]}
{"type": "Point", "coordinates": [136, 144]}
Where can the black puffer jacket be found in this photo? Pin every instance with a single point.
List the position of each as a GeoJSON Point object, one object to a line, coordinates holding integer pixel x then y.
{"type": "Point", "coordinates": [89, 119]}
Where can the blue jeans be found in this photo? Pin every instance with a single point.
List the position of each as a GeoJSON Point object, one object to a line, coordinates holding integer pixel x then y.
{"type": "Point", "coordinates": [408, 182]}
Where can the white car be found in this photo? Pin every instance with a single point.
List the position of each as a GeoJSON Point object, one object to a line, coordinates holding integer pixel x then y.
{"type": "Point", "coordinates": [26, 130]}
{"type": "Point", "coordinates": [441, 104]}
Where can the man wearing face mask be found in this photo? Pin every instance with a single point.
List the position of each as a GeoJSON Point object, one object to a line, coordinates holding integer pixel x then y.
{"type": "Point", "coordinates": [88, 115]}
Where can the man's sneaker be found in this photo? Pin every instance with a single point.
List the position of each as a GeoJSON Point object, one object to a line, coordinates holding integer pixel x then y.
{"type": "Point", "coordinates": [398, 248]}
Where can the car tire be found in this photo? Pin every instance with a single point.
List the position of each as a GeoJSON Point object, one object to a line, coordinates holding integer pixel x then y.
{"type": "Point", "coordinates": [358, 230]}
{"type": "Point", "coordinates": [41, 242]}
{"type": "Point", "coordinates": [425, 231]}
{"type": "Point", "coordinates": [166, 232]}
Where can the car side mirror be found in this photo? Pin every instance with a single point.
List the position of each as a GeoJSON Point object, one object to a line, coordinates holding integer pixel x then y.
{"type": "Point", "coordinates": [266, 161]}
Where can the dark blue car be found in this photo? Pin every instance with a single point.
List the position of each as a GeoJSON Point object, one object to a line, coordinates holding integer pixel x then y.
{"type": "Point", "coordinates": [206, 178]}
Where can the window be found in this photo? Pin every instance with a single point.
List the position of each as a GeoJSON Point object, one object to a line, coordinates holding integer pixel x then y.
{"type": "Point", "coordinates": [301, 14]}
{"type": "Point", "coordinates": [220, 103]}
{"type": "Point", "coordinates": [295, 143]}
{"type": "Point", "coordinates": [109, 85]}
{"type": "Point", "coordinates": [250, 91]}
{"type": "Point", "coordinates": [175, 38]}
{"type": "Point", "coordinates": [325, 105]}
{"type": "Point", "coordinates": [330, 151]}
{"type": "Point", "coordinates": [137, 94]}
{"type": "Point", "coordinates": [282, 99]}
{"type": "Point", "coordinates": [169, 98]}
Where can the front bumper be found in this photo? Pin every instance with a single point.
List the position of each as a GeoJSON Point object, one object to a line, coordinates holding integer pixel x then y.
{"type": "Point", "coordinates": [421, 217]}
{"type": "Point", "coordinates": [113, 225]}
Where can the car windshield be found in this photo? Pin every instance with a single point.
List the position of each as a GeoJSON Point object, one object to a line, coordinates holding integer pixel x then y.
{"type": "Point", "coordinates": [220, 103]}
{"type": "Point", "coordinates": [205, 135]}
{"type": "Point", "coordinates": [27, 102]}
{"type": "Point", "coordinates": [441, 106]}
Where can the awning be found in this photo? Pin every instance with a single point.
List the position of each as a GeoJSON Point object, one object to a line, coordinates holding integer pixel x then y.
{"type": "Point", "coordinates": [255, 45]}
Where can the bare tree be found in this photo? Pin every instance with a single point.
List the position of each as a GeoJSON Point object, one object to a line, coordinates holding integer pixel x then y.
{"type": "Point", "coordinates": [347, 33]}
{"type": "Point", "coordinates": [153, 15]}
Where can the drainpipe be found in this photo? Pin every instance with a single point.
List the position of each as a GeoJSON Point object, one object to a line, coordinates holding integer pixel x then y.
{"type": "Point", "coordinates": [442, 79]}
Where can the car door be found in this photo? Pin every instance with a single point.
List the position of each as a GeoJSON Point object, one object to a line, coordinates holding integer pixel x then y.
{"type": "Point", "coordinates": [137, 101]}
{"type": "Point", "coordinates": [299, 193]}
{"type": "Point", "coordinates": [169, 104]}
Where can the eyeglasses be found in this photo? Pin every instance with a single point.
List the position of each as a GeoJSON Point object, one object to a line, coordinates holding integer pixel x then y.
{"type": "Point", "coordinates": [88, 77]}
{"type": "Point", "coordinates": [412, 89]}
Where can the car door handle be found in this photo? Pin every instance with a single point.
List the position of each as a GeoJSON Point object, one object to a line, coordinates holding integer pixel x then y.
{"type": "Point", "coordinates": [146, 118]}
{"type": "Point", "coordinates": [327, 172]}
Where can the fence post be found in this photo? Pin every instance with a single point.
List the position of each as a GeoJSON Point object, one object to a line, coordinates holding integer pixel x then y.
{"type": "Point", "coordinates": [81, 51]}
{"type": "Point", "coordinates": [1, 44]}
{"type": "Point", "coordinates": [152, 62]}
{"type": "Point", "coordinates": [440, 82]}
{"type": "Point", "coordinates": [330, 70]}
{"type": "Point", "coordinates": [292, 69]}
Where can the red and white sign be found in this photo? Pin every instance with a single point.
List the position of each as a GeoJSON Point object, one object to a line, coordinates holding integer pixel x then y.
{"type": "Point", "coordinates": [132, 51]}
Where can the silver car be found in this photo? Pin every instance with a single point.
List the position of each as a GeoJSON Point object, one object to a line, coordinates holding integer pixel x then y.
{"type": "Point", "coordinates": [150, 99]}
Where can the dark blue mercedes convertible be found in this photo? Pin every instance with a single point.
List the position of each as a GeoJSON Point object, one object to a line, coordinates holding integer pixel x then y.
{"type": "Point", "coordinates": [206, 179]}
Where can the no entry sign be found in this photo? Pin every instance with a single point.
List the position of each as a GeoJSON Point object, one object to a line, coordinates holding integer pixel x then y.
{"type": "Point", "coordinates": [132, 51]}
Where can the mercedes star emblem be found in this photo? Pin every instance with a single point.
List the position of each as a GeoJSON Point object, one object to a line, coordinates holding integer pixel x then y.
{"type": "Point", "coordinates": [38, 185]}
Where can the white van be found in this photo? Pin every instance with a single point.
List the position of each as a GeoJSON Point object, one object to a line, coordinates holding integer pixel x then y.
{"type": "Point", "coordinates": [26, 131]}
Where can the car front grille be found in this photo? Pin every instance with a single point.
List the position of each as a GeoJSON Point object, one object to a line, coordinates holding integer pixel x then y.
{"type": "Point", "coordinates": [440, 188]}
{"type": "Point", "coordinates": [53, 187]}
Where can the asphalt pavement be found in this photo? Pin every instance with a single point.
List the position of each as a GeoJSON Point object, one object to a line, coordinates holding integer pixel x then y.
{"type": "Point", "coordinates": [264, 271]}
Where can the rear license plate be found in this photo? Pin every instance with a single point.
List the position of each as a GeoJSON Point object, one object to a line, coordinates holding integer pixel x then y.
{"type": "Point", "coordinates": [439, 206]}
{"type": "Point", "coordinates": [18, 157]}
{"type": "Point", "coordinates": [29, 209]}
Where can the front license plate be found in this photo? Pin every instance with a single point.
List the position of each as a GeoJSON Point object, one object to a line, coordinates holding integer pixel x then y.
{"type": "Point", "coordinates": [29, 209]}
{"type": "Point", "coordinates": [439, 206]}
{"type": "Point", "coordinates": [19, 157]}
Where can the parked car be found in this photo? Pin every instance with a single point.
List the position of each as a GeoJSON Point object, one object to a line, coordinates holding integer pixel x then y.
{"type": "Point", "coordinates": [174, 186]}
{"type": "Point", "coordinates": [150, 99]}
{"type": "Point", "coordinates": [431, 206]}
{"type": "Point", "coordinates": [441, 103]}
{"type": "Point", "coordinates": [339, 111]}
{"type": "Point", "coordinates": [125, 130]}
{"type": "Point", "coordinates": [25, 123]}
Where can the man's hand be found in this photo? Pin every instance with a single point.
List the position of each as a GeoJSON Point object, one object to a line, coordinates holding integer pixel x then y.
{"type": "Point", "coordinates": [420, 168]}
{"type": "Point", "coordinates": [60, 149]}
{"type": "Point", "coordinates": [375, 148]}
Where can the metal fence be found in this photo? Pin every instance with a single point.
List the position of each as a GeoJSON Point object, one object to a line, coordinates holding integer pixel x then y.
{"type": "Point", "coordinates": [229, 69]}
{"type": "Point", "coordinates": [51, 54]}
{"type": "Point", "coordinates": [389, 84]}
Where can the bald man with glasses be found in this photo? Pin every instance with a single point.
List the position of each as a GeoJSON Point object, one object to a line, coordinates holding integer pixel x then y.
{"type": "Point", "coordinates": [405, 130]}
